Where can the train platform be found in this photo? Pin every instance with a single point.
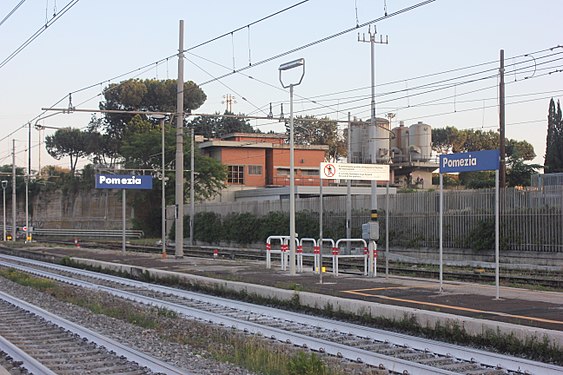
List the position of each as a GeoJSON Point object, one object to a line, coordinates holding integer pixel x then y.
{"type": "Point", "coordinates": [522, 312]}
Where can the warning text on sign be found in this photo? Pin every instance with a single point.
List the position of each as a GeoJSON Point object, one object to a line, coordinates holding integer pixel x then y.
{"type": "Point", "coordinates": [351, 171]}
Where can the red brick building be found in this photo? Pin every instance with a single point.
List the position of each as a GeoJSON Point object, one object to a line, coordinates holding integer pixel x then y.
{"type": "Point", "coordinates": [262, 160]}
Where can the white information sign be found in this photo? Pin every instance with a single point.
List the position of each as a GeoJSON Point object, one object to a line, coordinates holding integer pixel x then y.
{"type": "Point", "coordinates": [352, 171]}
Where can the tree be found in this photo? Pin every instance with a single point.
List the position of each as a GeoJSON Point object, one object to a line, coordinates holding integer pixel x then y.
{"type": "Point", "coordinates": [218, 126]}
{"type": "Point", "coordinates": [145, 95]}
{"type": "Point", "coordinates": [102, 148]}
{"type": "Point", "coordinates": [309, 130]}
{"type": "Point", "coordinates": [554, 143]}
{"type": "Point", "coordinates": [142, 148]}
{"type": "Point", "coordinates": [69, 142]}
{"type": "Point", "coordinates": [450, 139]}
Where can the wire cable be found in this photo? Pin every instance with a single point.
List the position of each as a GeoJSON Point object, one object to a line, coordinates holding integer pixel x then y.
{"type": "Point", "coordinates": [12, 12]}
{"type": "Point", "coordinates": [55, 18]}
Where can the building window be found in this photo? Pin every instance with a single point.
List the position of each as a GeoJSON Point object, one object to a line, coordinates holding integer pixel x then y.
{"type": "Point", "coordinates": [308, 172]}
{"type": "Point", "coordinates": [235, 174]}
{"type": "Point", "coordinates": [255, 170]}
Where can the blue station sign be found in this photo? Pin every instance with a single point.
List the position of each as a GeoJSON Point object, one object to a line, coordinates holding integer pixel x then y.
{"type": "Point", "coordinates": [488, 160]}
{"type": "Point", "coordinates": [118, 181]}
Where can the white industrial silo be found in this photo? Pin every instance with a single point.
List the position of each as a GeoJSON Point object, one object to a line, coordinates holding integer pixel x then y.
{"type": "Point", "coordinates": [420, 142]}
{"type": "Point", "coordinates": [359, 142]}
{"type": "Point", "coordinates": [382, 141]}
{"type": "Point", "coordinates": [400, 143]}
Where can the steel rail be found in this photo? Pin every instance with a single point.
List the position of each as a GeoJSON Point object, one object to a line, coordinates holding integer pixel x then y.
{"type": "Point", "coordinates": [320, 345]}
{"type": "Point", "coordinates": [464, 353]}
{"type": "Point", "coordinates": [131, 354]}
{"type": "Point", "coordinates": [28, 362]}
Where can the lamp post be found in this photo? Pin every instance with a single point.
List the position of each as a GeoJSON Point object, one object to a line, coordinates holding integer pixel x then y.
{"type": "Point", "coordinates": [4, 186]}
{"type": "Point", "coordinates": [287, 66]}
{"type": "Point", "coordinates": [163, 178]}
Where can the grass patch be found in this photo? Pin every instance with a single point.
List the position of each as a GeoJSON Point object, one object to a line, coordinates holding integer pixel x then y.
{"type": "Point", "coordinates": [251, 352]}
{"type": "Point", "coordinates": [535, 348]}
{"type": "Point", "coordinates": [26, 279]}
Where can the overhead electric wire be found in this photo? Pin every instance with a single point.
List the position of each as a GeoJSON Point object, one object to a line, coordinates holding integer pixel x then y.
{"type": "Point", "coordinates": [40, 31]}
{"type": "Point", "coordinates": [149, 65]}
{"type": "Point", "coordinates": [275, 57]}
{"type": "Point", "coordinates": [224, 84]}
{"type": "Point", "coordinates": [12, 12]}
{"type": "Point", "coordinates": [246, 26]}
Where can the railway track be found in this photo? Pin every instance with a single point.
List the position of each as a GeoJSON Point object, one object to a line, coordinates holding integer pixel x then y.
{"type": "Point", "coordinates": [49, 345]}
{"type": "Point", "coordinates": [397, 353]}
{"type": "Point", "coordinates": [347, 266]}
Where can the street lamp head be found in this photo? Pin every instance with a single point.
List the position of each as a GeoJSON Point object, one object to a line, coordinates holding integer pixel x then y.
{"type": "Point", "coordinates": [4, 184]}
{"type": "Point", "coordinates": [292, 64]}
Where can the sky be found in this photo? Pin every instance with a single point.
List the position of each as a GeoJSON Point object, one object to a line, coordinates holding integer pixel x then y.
{"type": "Point", "coordinates": [440, 65]}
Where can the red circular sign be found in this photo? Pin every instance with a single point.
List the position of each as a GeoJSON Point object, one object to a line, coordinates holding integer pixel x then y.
{"type": "Point", "coordinates": [329, 170]}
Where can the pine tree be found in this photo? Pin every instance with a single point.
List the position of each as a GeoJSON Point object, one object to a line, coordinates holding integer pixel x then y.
{"type": "Point", "coordinates": [554, 143]}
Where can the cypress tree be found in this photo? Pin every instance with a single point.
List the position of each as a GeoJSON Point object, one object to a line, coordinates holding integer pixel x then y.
{"type": "Point", "coordinates": [554, 142]}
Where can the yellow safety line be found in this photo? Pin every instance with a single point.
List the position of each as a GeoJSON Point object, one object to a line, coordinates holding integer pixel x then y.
{"type": "Point", "coordinates": [455, 307]}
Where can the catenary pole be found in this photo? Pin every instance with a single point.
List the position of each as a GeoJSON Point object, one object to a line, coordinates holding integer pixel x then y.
{"type": "Point", "coordinates": [502, 122]}
{"type": "Point", "coordinates": [27, 177]}
{"type": "Point", "coordinates": [179, 193]}
{"type": "Point", "coordinates": [349, 189]}
{"type": "Point", "coordinates": [192, 185]}
{"type": "Point", "coordinates": [14, 203]}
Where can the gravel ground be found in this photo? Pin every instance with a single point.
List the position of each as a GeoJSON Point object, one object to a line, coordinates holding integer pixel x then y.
{"type": "Point", "coordinates": [145, 340]}
{"type": "Point", "coordinates": [155, 343]}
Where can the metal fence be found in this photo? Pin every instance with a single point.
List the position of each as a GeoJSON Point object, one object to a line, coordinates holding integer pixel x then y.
{"type": "Point", "coordinates": [530, 220]}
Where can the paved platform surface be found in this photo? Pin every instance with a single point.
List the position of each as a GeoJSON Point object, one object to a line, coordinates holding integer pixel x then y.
{"type": "Point", "coordinates": [540, 309]}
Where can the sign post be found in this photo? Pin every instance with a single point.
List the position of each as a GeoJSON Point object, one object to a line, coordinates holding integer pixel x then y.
{"type": "Point", "coordinates": [123, 182]}
{"type": "Point", "coordinates": [487, 160]}
{"type": "Point", "coordinates": [353, 171]}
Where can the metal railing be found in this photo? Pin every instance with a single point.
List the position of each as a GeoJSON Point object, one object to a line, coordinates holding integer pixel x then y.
{"type": "Point", "coordinates": [86, 233]}
{"type": "Point", "coordinates": [530, 220]}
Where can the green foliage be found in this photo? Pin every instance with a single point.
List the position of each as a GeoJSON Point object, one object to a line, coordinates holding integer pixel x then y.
{"type": "Point", "coordinates": [217, 126]}
{"type": "Point", "coordinates": [275, 223]}
{"type": "Point", "coordinates": [554, 141]}
{"type": "Point", "coordinates": [208, 227]}
{"type": "Point", "coordinates": [477, 180]}
{"type": "Point", "coordinates": [241, 227]}
{"type": "Point", "coordinates": [308, 224]}
{"type": "Point", "coordinates": [309, 130]}
{"type": "Point", "coordinates": [26, 279]}
{"type": "Point", "coordinates": [303, 364]}
{"type": "Point", "coordinates": [67, 142]}
{"type": "Point", "coordinates": [448, 180]}
{"type": "Point", "coordinates": [145, 95]}
{"type": "Point", "coordinates": [520, 174]}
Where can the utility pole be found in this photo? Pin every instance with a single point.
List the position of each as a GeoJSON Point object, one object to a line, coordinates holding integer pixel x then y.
{"type": "Point", "coordinates": [179, 194]}
{"type": "Point", "coordinates": [192, 184]}
{"type": "Point", "coordinates": [27, 178]}
{"type": "Point", "coordinates": [373, 136]}
{"type": "Point", "coordinates": [502, 123]}
{"type": "Point", "coordinates": [229, 101]}
{"type": "Point", "coordinates": [349, 188]}
{"type": "Point", "coordinates": [14, 224]}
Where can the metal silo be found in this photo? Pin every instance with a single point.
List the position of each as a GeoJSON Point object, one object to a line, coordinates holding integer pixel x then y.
{"type": "Point", "coordinates": [382, 141]}
{"type": "Point", "coordinates": [420, 142]}
{"type": "Point", "coordinates": [400, 143]}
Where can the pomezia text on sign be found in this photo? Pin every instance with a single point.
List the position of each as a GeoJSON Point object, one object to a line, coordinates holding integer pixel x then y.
{"type": "Point", "coordinates": [352, 171]}
{"type": "Point", "coordinates": [118, 181]}
{"type": "Point", "coordinates": [470, 161]}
